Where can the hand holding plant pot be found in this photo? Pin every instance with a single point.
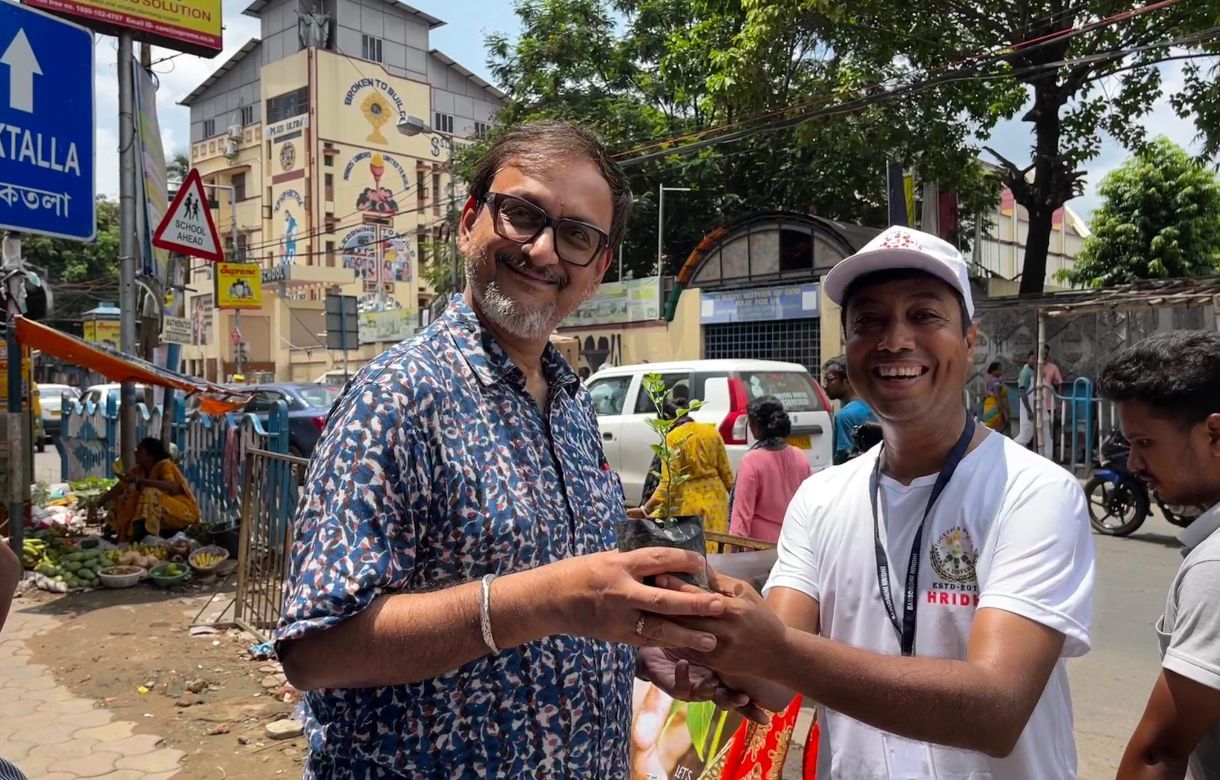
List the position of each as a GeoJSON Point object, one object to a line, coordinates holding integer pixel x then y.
{"type": "Point", "coordinates": [656, 524]}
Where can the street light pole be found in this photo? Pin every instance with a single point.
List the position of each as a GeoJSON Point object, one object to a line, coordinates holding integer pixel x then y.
{"type": "Point", "coordinates": [661, 190]}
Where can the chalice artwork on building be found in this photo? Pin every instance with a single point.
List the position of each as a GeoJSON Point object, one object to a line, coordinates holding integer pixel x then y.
{"type": "Point", "coordinates": [377, 199]}
{"type": "Point", "coordinates": [377, 112]}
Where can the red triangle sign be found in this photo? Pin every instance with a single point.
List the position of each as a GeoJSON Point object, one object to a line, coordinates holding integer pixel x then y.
{"type": "Point", "coordinates": [187, 227]}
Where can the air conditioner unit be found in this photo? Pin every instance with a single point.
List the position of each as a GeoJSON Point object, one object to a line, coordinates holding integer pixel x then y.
{"type": "Point", "coordinates": [235, 131]}
{"type": "Point", "coordinates": [230, 147]}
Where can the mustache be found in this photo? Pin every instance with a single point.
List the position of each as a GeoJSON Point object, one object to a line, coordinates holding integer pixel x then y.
{"type": "Point", "coordinates": [519, 259]}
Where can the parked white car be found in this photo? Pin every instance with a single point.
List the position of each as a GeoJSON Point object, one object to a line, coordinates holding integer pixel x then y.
{"type": "Point", "coordinates": [51, 398]}
{"type": "Point", "coordinates": [726, 387]}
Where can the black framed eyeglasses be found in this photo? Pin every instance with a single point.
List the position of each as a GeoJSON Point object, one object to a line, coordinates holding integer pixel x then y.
{"type": "Point", "coordinates": [516, 219]}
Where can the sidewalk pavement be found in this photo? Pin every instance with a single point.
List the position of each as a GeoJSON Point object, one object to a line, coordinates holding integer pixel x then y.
{"type": "Point", "coordinates": [51, 734]}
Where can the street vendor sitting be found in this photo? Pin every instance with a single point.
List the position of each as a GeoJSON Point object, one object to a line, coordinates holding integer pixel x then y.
{"type": "Point", "coordinates": [151, 498]}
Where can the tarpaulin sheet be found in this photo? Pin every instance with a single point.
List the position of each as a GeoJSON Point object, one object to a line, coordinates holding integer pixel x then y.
{"type": "Point", "coordinates": [213, 398]}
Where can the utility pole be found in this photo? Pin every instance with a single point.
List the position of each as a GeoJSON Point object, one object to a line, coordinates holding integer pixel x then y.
{"type": "Point", "coordinates": [128, 246]}
{"type": "Point", "coordinates": [17, 479]}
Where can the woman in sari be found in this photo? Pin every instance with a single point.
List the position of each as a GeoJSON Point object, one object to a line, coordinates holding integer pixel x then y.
{"type": "Point", "coordinates": [700, 454]}
{"type": "Point", "coordinates": [995, 403]}
{"type": "Point", "coordinates": [151, 498]}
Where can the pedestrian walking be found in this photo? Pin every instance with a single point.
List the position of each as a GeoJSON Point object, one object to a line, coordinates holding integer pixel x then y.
{"type": "Point", "coordinates": [1167, 392]}
{"type": "Point", "coordinates": [1025, 389]}
{"type": "Point", "coordinates": [455, 607]}
{"type": "Point", "coordinates": [927, 593]}
{"type": "Point", "coordinates": [1052, 382]}
{"type": "Point", "coordinates": [853, 410]}
{"type": "Point", "coordinates": [769, 474]}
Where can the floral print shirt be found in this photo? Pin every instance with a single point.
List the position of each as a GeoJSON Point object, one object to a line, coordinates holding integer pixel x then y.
{"type": "Point", "coordinates": [437, 467]}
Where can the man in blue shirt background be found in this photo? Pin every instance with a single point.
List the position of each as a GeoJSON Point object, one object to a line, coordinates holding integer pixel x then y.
{"type": "Point", "coordinates": [854, 411]}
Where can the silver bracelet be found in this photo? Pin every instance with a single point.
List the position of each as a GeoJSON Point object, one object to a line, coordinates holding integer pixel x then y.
{"type": "Point", "coordinates": [485, 614]}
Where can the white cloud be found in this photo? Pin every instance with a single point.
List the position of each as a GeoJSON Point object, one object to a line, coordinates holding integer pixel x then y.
{"type": "Point", "coordinates": [177, 78]}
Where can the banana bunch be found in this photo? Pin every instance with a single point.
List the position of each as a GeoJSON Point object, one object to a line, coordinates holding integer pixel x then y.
{"type": "Point", "coordinates": [32, 552]}
{"type": "Point", "coordinates": [205, 560]}
{"type": "Point", "coordinates": [155, 550]}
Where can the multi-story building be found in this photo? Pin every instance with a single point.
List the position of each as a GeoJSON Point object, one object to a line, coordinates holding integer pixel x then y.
{"type": "Point", "coordinates": [298, 137]}
{"type": "Point", "coordinates": [999, 253]}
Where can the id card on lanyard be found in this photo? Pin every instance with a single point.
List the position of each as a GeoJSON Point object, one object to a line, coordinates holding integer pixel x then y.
{"type": "Point", "coordinates": [906, 626]}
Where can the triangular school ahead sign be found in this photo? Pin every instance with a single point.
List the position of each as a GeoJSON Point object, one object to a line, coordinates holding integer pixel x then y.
{"type": "Point", "coordinates": [187, 227]}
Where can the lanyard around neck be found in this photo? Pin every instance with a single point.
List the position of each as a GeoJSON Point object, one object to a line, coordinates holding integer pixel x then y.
{"type": "Point", "coordinates": [906, 628]}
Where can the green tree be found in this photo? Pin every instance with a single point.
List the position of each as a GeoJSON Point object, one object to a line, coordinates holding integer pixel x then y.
{"type": "Point", "coordinates": [637, 71]}
{"type": "Point", "coordinates": [177, 167]}
{"type": "Point", "coordinates": [1076, 69]}
{"type": "Point", "coordinates": [81, 274]}
{"type": "Point", "coordinates": [1160, 218]}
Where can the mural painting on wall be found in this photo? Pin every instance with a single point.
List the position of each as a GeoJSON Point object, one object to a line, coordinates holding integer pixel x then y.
{"type": "Point", "coordinates": [201, 320]}
{"type": "Point", "coordinates": [288, 206]}
{"type": "Point", "coordinates": [600, 350]}
{"type": "Point", "coordinates": [377, 199]}
{"type": "Point", "coordinates": [380, 104]}
{"type": "Point", "coordinates": [359, 253]}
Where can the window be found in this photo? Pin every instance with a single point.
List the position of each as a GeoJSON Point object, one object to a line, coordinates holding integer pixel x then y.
{"type": "Point", "coordinates": [436, 188]}
{"type": "Point", "coordinates": [209, 128]}
{"type": "Point", "coordinates": [421, 188]}
{"type": "Point", "coordinates": [442, 123]}
{"type": "Point", "coordinates": [330, 254]}
{"type": "Point", "coordinates": [239, 186]}
{"type": "Point", "coordinates": [792, 388]}
{"type": "Point", "coordinates": [370, 48]}
{"type": "Point", "coordinates": [247, 116]}
{"type": "Point", "coordinates": [328, 183]}
{"type": "Point", "coordinates": [243, 243]}
{"type": "Point", "coordinates": [328, 160]}
{"type": "Point", "coordinates": [287, 105]}
{"type": "Point", "coordinates": [678, 387]}
{"type": "Point", "coordinates": [481, 129]}
{"type": "Point", "coordinates": [609, 394]}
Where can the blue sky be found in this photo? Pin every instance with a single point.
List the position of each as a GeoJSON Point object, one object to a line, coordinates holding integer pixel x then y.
{"type": "Point", "coordinates": [468, 22]}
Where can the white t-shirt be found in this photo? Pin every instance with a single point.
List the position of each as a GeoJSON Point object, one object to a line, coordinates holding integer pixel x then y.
{"type": "Point", "coordinates": [1010, 531]}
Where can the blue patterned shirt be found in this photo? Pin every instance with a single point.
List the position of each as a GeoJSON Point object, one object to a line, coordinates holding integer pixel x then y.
{"type": "Point", "coordinates": [437, 467]}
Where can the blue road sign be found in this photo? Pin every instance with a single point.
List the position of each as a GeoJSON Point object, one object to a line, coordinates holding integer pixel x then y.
{"type": "Point", "coordinates": [46, 124]}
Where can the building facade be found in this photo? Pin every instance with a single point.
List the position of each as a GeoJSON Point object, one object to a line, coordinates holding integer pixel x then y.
{"type": "Point", "coordinates": [297, 137]}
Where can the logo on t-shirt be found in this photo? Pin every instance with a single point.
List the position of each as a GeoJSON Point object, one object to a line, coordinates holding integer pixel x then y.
{"type": "Point", "coordinates": [954, 556]}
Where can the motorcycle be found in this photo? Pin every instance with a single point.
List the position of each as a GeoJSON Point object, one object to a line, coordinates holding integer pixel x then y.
{"type": "Point", "coordinates": [1119, 500]}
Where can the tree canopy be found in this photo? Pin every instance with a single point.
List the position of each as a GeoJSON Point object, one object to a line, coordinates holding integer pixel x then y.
{"type": "Point", "coordinates": [636, 71]}
{"type": "Point", "coordinates": [81, 275]}
{"type": "Point", "coordinates": [1160, 218]}
{"type": "Point", "coordinates": [797, 104]}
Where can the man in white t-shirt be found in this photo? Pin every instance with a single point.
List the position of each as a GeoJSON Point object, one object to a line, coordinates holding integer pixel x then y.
{"type": "Point", "coordinates": [1002, 570]}
{"type": "Point", "coordinates": [1025, 389]}
{"type": "Point", "coordinates": [1167, 390]}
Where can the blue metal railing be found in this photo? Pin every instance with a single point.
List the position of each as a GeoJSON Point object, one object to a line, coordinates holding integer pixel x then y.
{"type": "Point", "coordinates": [211, 448]}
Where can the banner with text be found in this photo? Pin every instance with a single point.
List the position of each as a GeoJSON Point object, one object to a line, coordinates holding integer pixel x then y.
{"type": "Point", "coordinates": [634, 300]}
{"type": "Point", "coordinates": [239, 286]}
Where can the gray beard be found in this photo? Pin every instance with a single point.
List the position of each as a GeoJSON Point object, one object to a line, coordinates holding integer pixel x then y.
{"type": "Point", "coordinates": [506, 313]}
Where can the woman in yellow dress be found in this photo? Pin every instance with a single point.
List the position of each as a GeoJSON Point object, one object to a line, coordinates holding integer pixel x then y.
{"type": "Point", "coordinates": [151, 498]}
{"type": "Point", "coordinates": [699, 454]}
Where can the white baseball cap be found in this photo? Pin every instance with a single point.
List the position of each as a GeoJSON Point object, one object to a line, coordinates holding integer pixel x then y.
{"type": "Point", "coordinates": [902, 247]}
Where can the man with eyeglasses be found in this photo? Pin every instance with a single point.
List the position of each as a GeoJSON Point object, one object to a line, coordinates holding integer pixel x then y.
{"type": "Point", "coordinates": [455, 608]}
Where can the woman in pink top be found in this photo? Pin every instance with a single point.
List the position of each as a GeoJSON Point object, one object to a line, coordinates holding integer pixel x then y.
{"type": "Point", "coordinates": [769, 474]}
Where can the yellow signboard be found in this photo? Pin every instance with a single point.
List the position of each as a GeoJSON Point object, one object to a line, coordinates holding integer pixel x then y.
{"type": "Point", "coordinates": [102, 332]}
{"type": "Point", "coordinates": [239, 286]}
{"type": "Point", "coordinates": [183, 25]}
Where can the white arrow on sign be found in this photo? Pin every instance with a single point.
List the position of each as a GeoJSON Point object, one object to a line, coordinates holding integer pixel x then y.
{"type": "Point", "coordinates": [22, 67]}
